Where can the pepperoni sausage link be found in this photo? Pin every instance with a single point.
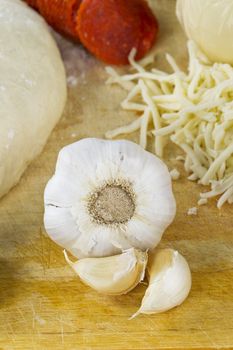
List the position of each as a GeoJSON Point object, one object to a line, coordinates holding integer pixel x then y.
{"type": "Point", "coordinates": [60, 14]}
{"type": "Point", "coordinates": [111, 28]}
{"type": "Point", "coordinates": [32, 3]}
{"type": "Point", "coordinates": [107, 28]}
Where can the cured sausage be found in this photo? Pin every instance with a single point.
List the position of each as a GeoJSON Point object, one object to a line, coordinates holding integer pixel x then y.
{"type": "Point", "coordinates": [111, 28]}
{"type": "Point", "coordinates": [60, 14]}
{"type": "Point", "coordinates": [107, 28]}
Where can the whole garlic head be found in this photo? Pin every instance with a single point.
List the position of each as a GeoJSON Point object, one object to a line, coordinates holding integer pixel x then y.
{"type": "Point", "coordinates": [169, 282]}
{"type": "Point", "coordinates": [108, 196]}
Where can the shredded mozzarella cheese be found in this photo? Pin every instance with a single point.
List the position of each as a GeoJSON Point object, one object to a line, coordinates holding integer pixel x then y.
{"type": "Point", "coordinates": [192, 211]}
{"type": "Point", "coordinates": [202, 201]}
{"type": "Point", "coordinates": [194, 110]}
{"type": "Point", "coordinates": [175, 174]}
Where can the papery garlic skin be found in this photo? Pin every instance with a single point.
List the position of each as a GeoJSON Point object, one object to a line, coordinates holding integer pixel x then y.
{"type": "Point", "coordinates": [114, 275]}
{"type": "Point", "coordinates": [169, 282]}
{"type": "Point", "coordinates": [108, 196]}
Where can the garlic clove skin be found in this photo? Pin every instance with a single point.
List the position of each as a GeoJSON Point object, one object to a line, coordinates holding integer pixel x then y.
{"type": "Point", "coordinates": [114, 275]}
{"type": "Point", "coordinates": [110, 191]}
{"type": "Point", "coordinates": [169, 282]}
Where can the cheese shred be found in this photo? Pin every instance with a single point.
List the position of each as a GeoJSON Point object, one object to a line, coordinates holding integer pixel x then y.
{"type": "Point", "coordinates": [194, 110]}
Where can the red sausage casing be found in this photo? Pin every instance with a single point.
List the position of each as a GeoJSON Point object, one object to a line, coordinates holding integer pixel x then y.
{"type": "Point", "coordinates": [111, 28]}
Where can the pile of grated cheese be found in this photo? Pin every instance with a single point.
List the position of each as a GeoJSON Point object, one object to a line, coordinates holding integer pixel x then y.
{"type": "Point", "coordinates": [194, 110]}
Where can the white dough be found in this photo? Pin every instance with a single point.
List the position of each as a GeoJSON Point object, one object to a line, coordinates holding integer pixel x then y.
{"type": "Point", "coordinates": [32, 88]}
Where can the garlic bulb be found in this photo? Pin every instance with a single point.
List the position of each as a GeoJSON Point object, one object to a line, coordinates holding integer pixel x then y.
{"type": "Point", "coordinates": [169, 282]}
{"type": "Point", "coordinates": [108, 196]}
{"type": "Point", "coordinates": [113, 275]}
{"type": "Point", "coordinates": [210, 24]}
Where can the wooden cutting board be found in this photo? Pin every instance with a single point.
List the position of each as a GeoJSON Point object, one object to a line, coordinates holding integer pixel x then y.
{"type": "Point", "coordinates": [44, 306]}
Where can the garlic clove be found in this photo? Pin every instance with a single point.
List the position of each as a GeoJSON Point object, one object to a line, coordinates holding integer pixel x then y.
{"type": "Point", "coordinates": [59, 220]}
{"type": "Point", "coordinates": [60, 192]}
{"type": "Point", "coordinates": [113, 275]}
{"type": "Point", "coordinates": [96, 242]}
{"type": "Point", "coordinates": [169, 282]}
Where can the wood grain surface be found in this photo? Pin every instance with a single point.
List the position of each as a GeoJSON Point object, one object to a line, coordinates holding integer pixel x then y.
{"type": "Point", "coordinates": [44, 306]}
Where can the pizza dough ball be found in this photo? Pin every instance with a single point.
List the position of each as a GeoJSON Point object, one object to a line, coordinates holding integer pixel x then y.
{"type": "Point", "coordinates": [32, 88]}
{"type": "Point", "coordinates": [210, 24]}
